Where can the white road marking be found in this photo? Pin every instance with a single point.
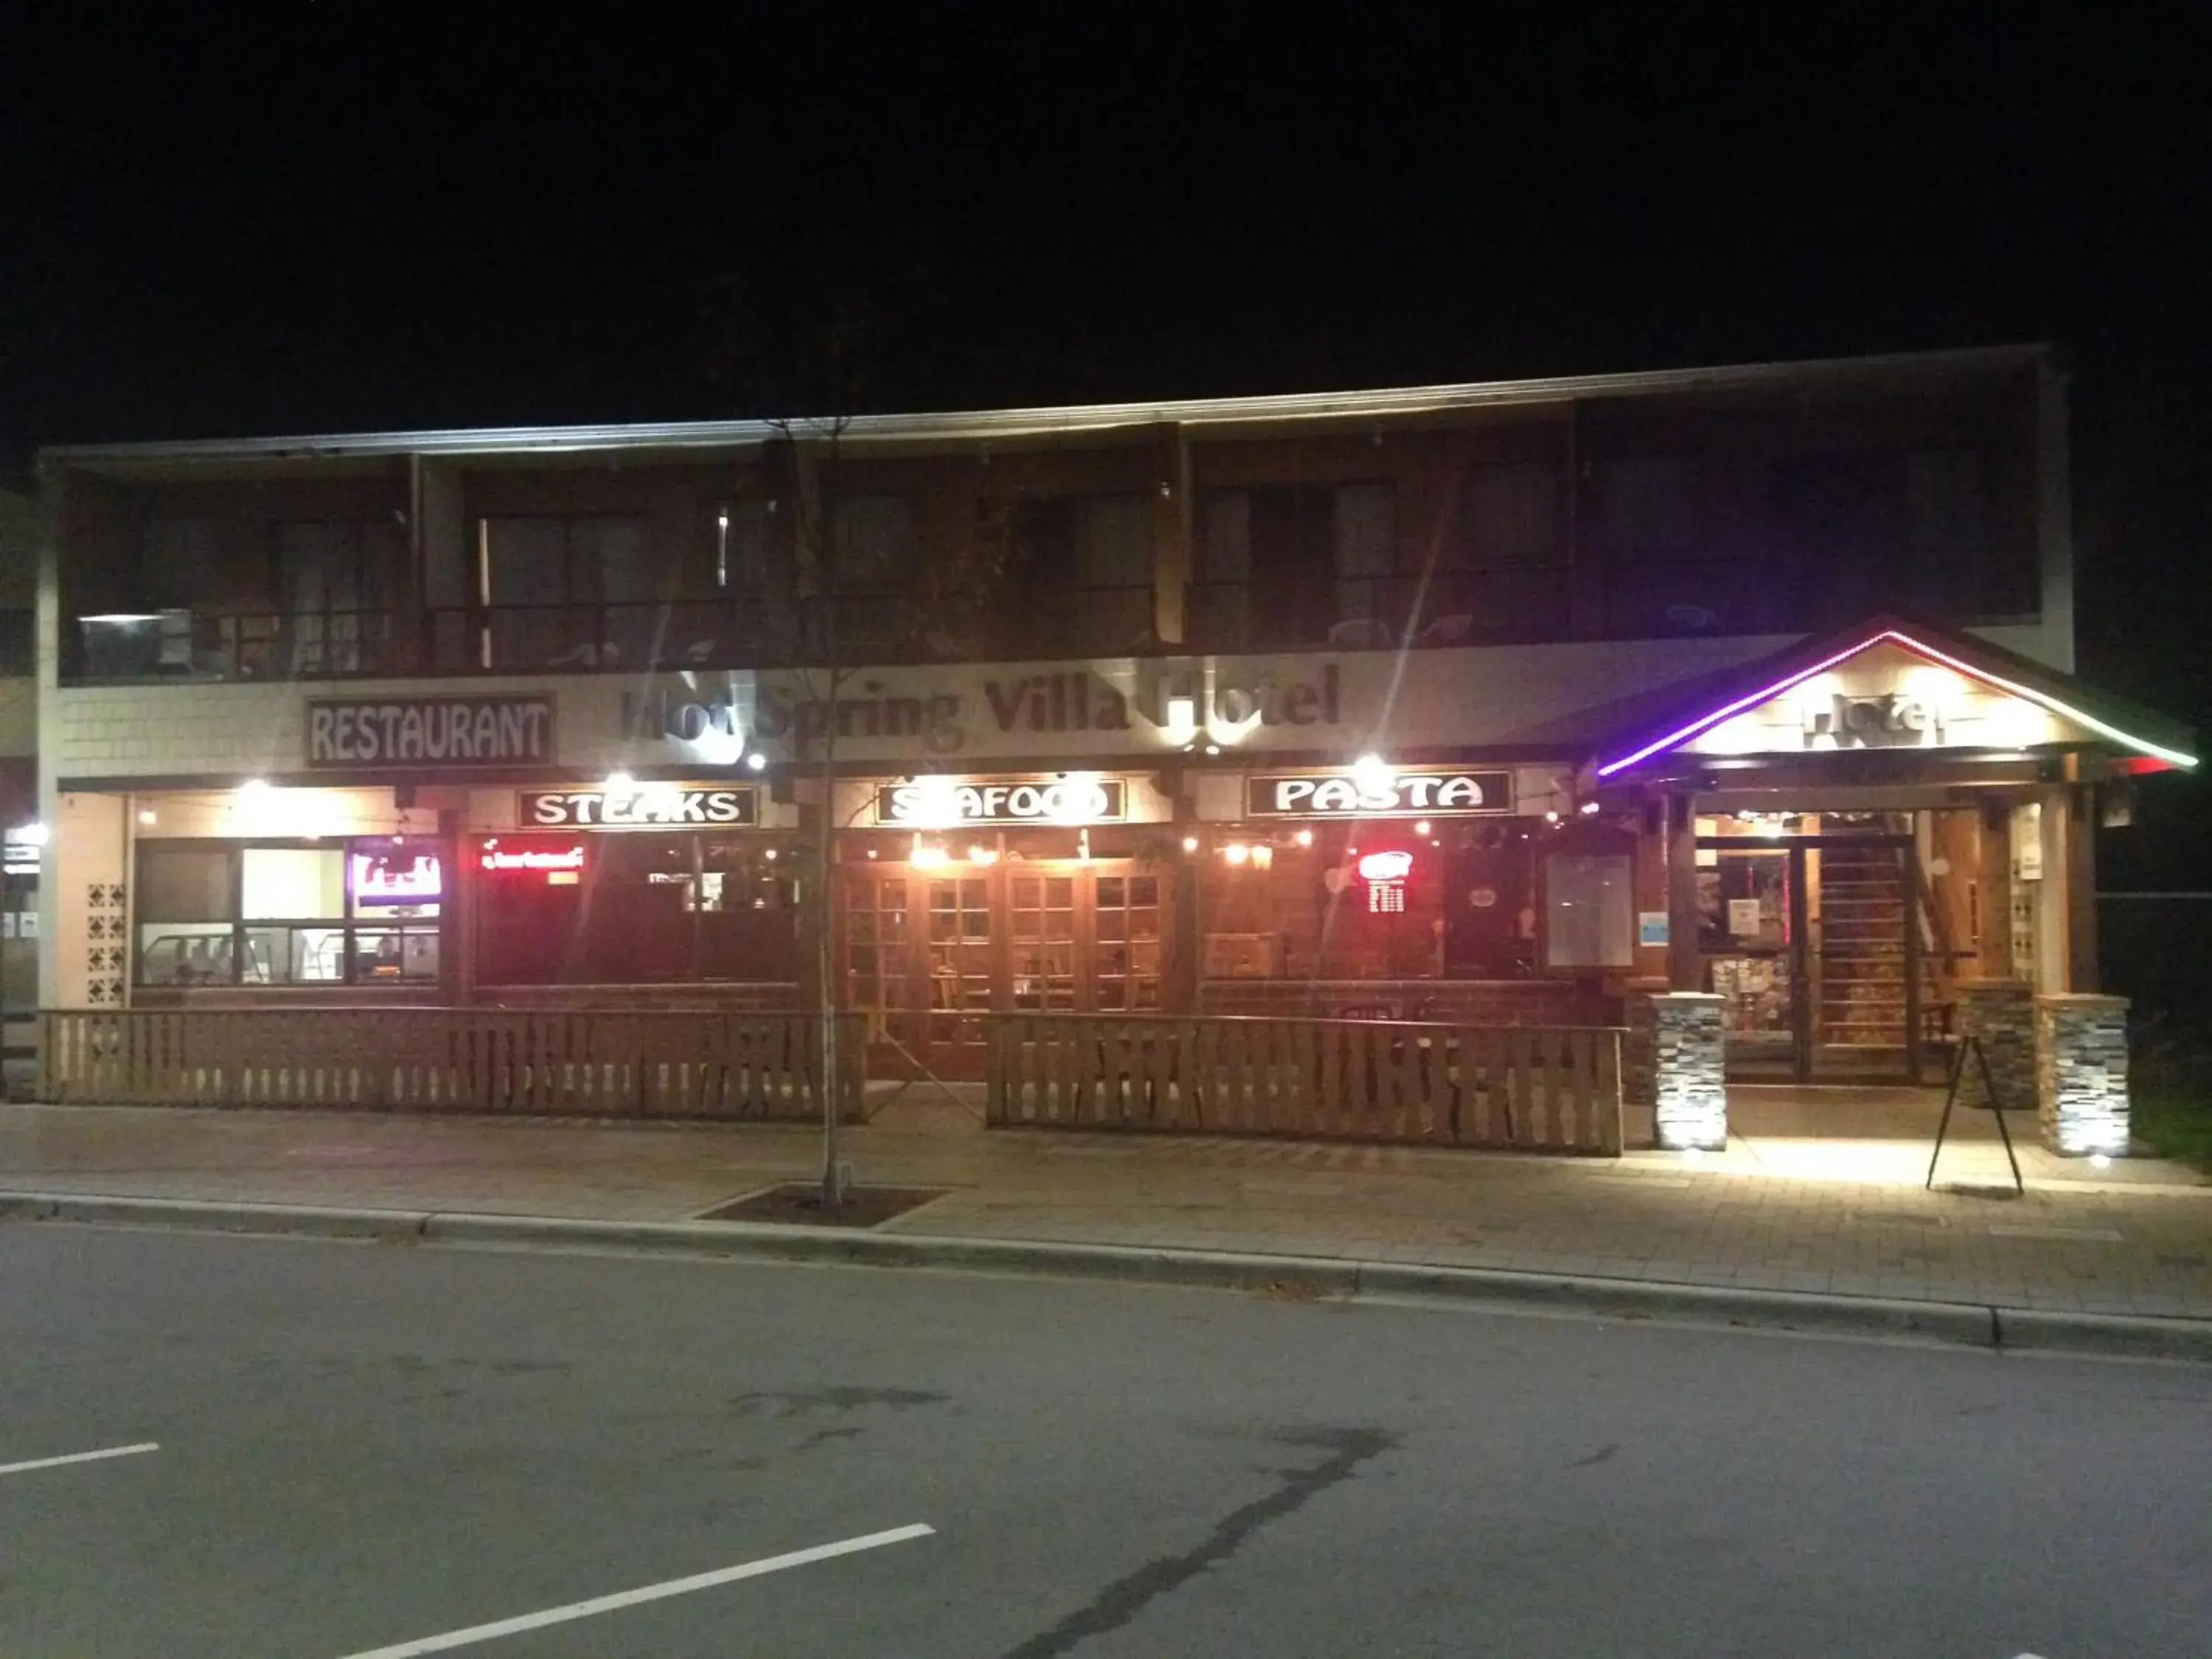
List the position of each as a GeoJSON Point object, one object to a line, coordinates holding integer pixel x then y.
{"type": "Point", "coordinates": [78, 1457]}
{"type": "Point", "coordinates": [650, 1593]}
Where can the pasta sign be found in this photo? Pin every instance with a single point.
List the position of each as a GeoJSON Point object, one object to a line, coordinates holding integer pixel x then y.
{"type": "Point", "coordinates": [430, 732]}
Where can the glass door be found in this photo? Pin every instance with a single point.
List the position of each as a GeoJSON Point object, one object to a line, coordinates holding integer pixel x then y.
{"type": "Point", "coordinates": [1749, 929]}
{"type": "Point", "coordinates": [960, 972]}
{"type": "Point", "coordinates": [1044, 944]}
{"type": "Point", "coordinates": [1863, 959]}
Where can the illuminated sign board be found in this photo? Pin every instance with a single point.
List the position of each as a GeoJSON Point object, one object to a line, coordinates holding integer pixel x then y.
{"type": "Point", "coordinates": [1403, 794]}
{"type": "Point", "coordinates": [944, 803]}
{"type": "Point", "coordinates": [400, 877]}
{"type": "Point", "coordinates": [647, 806]}
{"type": "Point", "coordinates": [426, 732]}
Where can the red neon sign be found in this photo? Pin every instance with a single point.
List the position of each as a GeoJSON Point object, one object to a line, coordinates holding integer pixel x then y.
{"type": "Point", "coordinates": [1385, 866]}
{"type": "Point", "coordinates": [503, 858]}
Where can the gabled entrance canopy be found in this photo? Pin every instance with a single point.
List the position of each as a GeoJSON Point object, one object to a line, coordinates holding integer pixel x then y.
{"type": "Point", "coordinates": [1894, 685]}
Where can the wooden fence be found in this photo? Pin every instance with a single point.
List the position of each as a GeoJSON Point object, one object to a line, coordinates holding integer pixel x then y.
{"type": "Point", "coordinates": [1546, 1088]}
{"type": "Point", "coordinates": [571, 1062]}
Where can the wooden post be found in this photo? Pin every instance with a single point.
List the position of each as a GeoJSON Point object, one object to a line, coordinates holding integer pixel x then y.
{"type": "Point", "coordinates": [2081, 877]}
{"type": "Point", "coordinates": [1683, 969]}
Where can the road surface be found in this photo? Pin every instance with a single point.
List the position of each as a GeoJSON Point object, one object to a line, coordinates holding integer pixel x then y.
{"type": "Point", "coordinates": [376, 1450]}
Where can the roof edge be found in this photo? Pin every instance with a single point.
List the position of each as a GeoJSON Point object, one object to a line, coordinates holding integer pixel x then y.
{"type": "Point", "coordinates": [1047, 420]}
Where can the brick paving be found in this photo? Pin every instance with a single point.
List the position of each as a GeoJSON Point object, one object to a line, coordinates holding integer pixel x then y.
{"type": "Point", "coordinates": [2136, 1239]}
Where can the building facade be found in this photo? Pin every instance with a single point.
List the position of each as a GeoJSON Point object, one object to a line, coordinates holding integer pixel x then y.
{"type": "Point", "coordinates": [1517, 702]}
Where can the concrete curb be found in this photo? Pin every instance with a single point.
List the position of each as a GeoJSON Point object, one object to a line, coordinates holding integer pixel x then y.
{"type": "Point", "coordinates": [1977, 1325]}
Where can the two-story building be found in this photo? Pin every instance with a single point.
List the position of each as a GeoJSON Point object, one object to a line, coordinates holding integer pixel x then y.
{"type": "Point", "coordinates": [1515, 702]}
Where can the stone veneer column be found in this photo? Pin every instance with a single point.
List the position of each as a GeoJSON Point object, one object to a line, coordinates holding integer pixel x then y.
{"type": "Point", "coordinates": [1690, 1096]}
{"type": "Point", "coordinates": [2001, 1013]}
{"type": "Point", "coordinates": [2081, 1073]}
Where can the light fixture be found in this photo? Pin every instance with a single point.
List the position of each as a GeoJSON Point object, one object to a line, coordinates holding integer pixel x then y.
{"type": "Point", "coordinates": [1589, 807]}
{"type": "Point", "coordinates": [982, 855]}
{"type": "Point", "coordinates": [1263, 856]}
{"type": "Point", "coordinates": [30, 835]}
{"type": "Point", "coordinates": [1213, 749]}
{"type": "Point", "coordinates": [620, 783]}
{"type": "Point", "coordinates": [1304, 838]}
{"type": "Point", "coordinates": [1236, 852]}
{"type": "Point", "coordinates": [1190, 844]}
{"type": "Point", "coordinates": [1181, 714]}
{"type": "Point", "coordinates": [1551, 818]}
{"type": "Point", "coordinates": [771, 855]}
{"type": "Point", "coordinates": [146, 815]}
{"type": "Point", "coordinates": [930, 857]}
{"type": "Point", "coordinates": [757, 760]}
{"type": "Point", "coordinates": [1420, 826]}
{"type": "Point", "coordinates": [871, 852]}
{"type": "Point", "coordinates": [1371, 772]}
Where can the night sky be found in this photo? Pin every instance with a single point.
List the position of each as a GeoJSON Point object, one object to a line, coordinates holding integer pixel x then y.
{"type": "Point", "coordinates": [319, 217]}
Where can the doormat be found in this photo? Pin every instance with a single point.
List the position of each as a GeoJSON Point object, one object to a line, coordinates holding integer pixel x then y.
{"type": "Point", "coordinates": [799, 1203]}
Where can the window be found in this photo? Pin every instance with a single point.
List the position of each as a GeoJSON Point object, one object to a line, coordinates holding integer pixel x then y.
{"type": "Point", "coordinates": [273, 913]}
{"type": "Point", "coordinates": [1097, 549]}
{"type": "Point", "coordinates": [1300, 564]}
{"type": "Point", "coordinates": [1588, 910]}
{"type": "Point", "coordinates": [645, 908]}
{"type": "Point", "coordinates": [875, 542]}
{"type": "Point", "coordinates": [1510, 516]}
{"type": "Point", "coordinates": [1644, 507]}
{"type": "Point", "coordinates": [333, 591]}
{"type": "Point", "coordinates": [567, 592]}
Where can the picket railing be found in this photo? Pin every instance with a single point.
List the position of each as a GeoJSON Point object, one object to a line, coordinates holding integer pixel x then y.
{"type": "Point", "coordinates": [568, 1062]}
{"type": "Point", "coordinates": [1545, 1087]}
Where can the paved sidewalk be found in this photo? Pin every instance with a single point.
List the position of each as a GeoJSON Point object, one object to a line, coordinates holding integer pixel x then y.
{"type": "Point", "coordinates": [2119, 1246]}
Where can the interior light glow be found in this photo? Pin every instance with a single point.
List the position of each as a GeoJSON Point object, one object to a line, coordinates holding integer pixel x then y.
{"type": "Point", "coordinates": [30, 835]}
{"type": "Point", "coordinates": [771, 855]}
{"type": "Point", "coordinates": [1236, 852]}
{"type": "Point", "coordinates": [125, 618]}
{"type": "Point", "coordinates": [1263, 857]}
{"type": "Point", "coordinates": [1190, 844]}
{"type": "Point", "coordinates": [1304, 838]}
{"type": "Point", "coordinates": [982, 855]}
{"type": "Point", "coordinates": [2043, 700]}
{"type": "Point", "coordinates": [929, 857]}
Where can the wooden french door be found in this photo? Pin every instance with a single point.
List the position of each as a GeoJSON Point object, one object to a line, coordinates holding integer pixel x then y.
{"type": "Point", "coordinates": [928, 952]}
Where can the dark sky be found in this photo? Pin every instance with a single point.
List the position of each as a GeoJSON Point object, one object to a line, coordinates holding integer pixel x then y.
{"type": "Point", "coordinates": [316, 217]}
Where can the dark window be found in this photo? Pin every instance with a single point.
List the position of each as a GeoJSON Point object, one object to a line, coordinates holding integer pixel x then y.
{"type": "Point", "coordinates": [1645, 508]}
{"type": "Point", "coordinates": [1302, 564]}
{"type": "Point", "coordinates": [1504, 576]}
{"type": "Point", "coordinates": [568, 592]}
{"type": "Point", "coordinates": [1837, 522]}
{"type": "Point", "coordinates": [334, 585]}
{"type": "Point", "coordinates": [641, 909]}
{"type": "Point", "coordinates": [1080, 573]}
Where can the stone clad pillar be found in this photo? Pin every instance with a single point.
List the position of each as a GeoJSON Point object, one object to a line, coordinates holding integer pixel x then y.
{"type": "Point", "coordinates": [1690, 1093]}
{"type": "Point", "coordinates": [2001, 1013]}
{"type": "Point", "coordinates": [2081, 1073]}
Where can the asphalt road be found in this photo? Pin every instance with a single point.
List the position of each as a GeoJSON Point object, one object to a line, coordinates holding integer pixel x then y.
{"type": "Point", "coordinates": [363, 1446]}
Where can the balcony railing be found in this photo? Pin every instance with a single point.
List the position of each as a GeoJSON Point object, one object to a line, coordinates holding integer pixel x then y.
{"type": "Point", "coordinates": [1379, 612]}
{"type": "Point", "coordinates": [231, 645]}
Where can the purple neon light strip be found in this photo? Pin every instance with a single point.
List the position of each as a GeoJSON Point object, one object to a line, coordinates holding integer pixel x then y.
{"type": "Point", "coordinates": [1707, 721]}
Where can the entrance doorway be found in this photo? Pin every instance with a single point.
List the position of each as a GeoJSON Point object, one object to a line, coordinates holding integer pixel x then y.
{"type": "Point", "coordinates": [1813, 944]}
{"type": "Point", "coordinates": [928, 951]}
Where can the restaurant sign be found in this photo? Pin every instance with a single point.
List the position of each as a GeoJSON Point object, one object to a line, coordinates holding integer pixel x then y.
{"type": "Point", "coordinates": [943, 803]}
{"type": "Point", "coordinates": [1399, 795]}
{"type": "Point", "coordinates": [645, 806]}
{"type": "Point", "coordinates": [420, 732]}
